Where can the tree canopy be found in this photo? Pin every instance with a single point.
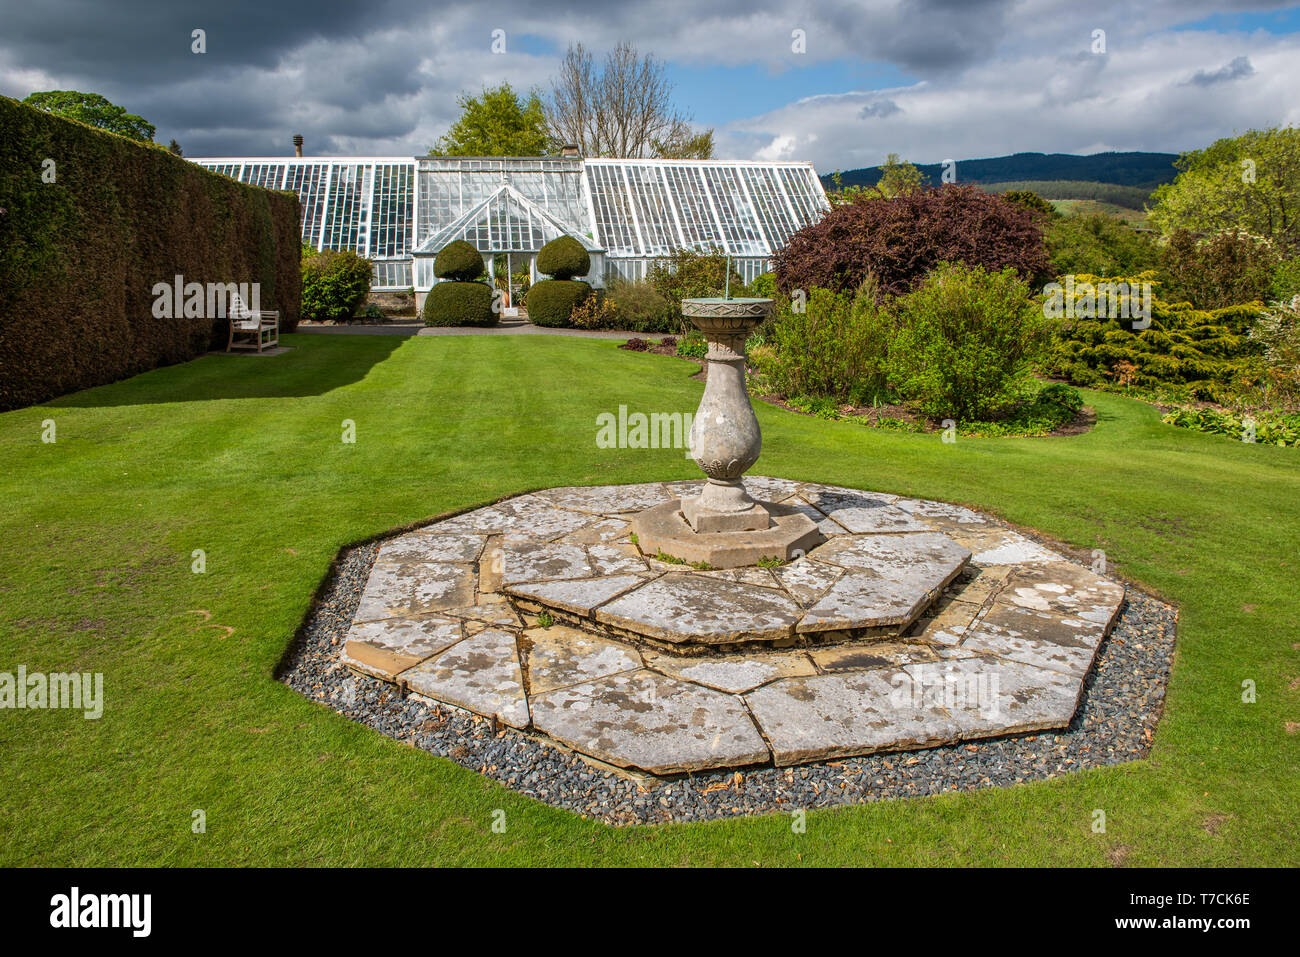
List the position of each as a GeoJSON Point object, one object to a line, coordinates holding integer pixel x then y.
{"type": "Point", "coordinates": [93, 110]}
{"type": "Point", "coordinates": [1249, 182]}
{"type": "Point", "coordinates": [497, 122]}
{"type": "Point", "coordinates": [623, 107]}
{"type": "Point", "coordinates": [898, 178]}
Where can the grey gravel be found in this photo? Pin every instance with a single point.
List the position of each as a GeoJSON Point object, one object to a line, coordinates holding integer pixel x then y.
{"type": "Point", "coordinates": [1121, 704]}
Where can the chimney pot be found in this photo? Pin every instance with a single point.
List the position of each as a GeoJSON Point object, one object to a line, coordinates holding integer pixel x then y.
{"type": "Point", "coordinates": [297, 144]}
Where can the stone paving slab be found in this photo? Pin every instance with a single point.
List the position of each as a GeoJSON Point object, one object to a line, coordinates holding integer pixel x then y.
{"type": "Point", "coordinates": [579, 597]}
{"type": "Point", "coordinates": [807, 580]}
{"type": "Point", "coordinates": [416, 588]}
{"type": "Point", "coordinates": [838, 715]}
{"type": "Point", "coordinates": [430, 546]}
{"type": "Point", "coordinates": [648, 721]}
{"type": "Point", "coordinates": [1051, 615]}
{"type": "Point", "coordinates": [997, 646]}
{"type": "Point", "coordinates": [1001, 546]}
{"type": "Point", "coordinates": [609, 499]}
{"type": "Point", "coordinates": [734, 675]}
{"type": "Point", "coordinates": [543, 561]}
{"type": "Point", "coordinates": [560, 657]}
{"type": "Point", "coordinates": [386, 648]}
{"type": "Point", "coordinates": [989, 696]}
{"type": "Point", "coordinates": [860, 656]}
{"type": "Point", "coordinates": [480, 674]}
{"type": "Point", "coordinates": [680, 606]}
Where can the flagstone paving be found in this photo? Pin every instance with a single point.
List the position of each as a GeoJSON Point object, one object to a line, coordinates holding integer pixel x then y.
{"type": "Point", "coordinates": [912, 623]}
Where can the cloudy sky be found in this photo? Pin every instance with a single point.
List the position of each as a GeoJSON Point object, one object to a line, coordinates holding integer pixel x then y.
{"type": "Point", "coordinates": [836, 82]}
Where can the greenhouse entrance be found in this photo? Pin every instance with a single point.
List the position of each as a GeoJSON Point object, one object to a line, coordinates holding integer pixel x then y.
{"type": "Point", "coordinates": [509, 230]}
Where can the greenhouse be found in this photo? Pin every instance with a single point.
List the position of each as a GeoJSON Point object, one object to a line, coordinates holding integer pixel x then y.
{"type": "Point", "coordinates": [627, 213]}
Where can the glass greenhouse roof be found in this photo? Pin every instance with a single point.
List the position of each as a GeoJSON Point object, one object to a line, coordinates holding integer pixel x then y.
{"type": "Point", "coordinates": [393, 208]}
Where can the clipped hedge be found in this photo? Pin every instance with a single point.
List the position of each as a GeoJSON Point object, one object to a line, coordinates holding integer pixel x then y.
{"type": "Point", "coordinates": [458, 261]}
{"type": "Point", "coordinates": [551, 302]}
{"type": "Point", "coordinates": [80, 256]}
{"type": "Point", "coordinates": [460, 304]}
{"type": "Point", "coordinates": [563, 258]}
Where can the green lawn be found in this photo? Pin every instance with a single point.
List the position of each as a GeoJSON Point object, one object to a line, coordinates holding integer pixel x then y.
{"type": "Point", "coordinates": [242, 458]}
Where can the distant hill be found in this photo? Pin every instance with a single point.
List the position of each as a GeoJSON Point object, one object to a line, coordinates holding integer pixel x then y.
{"type": "Point", "coordinates": [1142, 170]}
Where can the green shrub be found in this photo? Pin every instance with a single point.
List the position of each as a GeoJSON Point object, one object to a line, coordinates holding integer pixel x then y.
{"type": "Point", "coordinates": [964, 341]}
{"type": "Point", "coordinates": [835, 346]}
{"type": "Point", "coordinates": [693, 347]}
{"type": "Point", "coordinates": [1031, 201]}
{"type": "Point", "coordinates": [764, 286]}
{"type": "Point", "coordinates": [563, 258]}
{"type": "Point", "coordinates": [595, 312]}
{"type": "Point", "coordinates": [1098, 245]}
{"type": "Point", "coordinates": [639, 307]}
{"type": "Point", "coordinates": [1062, 396]}
{"type": "Point", "coordinates": [334, 284]}
{"type": "Point", "coordinates": [688, 274]}
{"type": "Point", "coordinates": [1286, 280]}
{"type": "Point", "coordinates": [1200, 351]}
{"type": "Point", "coordinates": [460, 304]}
{"type": "Point", "coordinates": [458, 261]}
{"type": "Point", "coordinates": [1232, 267]}
{"type": "Point", "coordinates": [80, 256]}
{"type": "Point", "coordinates": [1266, 427]}
{"type": "Point", "coordinates": [551, 302]}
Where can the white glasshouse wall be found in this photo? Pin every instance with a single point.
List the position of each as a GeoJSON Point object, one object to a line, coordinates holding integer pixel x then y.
{"type": "Point", "coordinates": [628, 213]}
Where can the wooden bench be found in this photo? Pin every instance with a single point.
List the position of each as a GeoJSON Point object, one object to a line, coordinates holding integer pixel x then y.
{"type": "Point", "coordinates": [262, 325]}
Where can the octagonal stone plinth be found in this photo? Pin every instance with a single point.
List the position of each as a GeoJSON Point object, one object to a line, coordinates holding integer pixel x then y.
{"type": "Point", "coordinates": [785, 534]}
{"type": "Point", "coordinates": [914, 623]}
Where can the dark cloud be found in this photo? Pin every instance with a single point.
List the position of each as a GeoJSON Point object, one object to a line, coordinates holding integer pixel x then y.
{"type": "Point", "coordinates": [879, 109]}
{"type": "Point", "coordinates": [1235, 69]}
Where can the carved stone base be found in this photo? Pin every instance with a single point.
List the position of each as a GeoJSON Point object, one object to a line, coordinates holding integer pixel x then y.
{"type": "Point", "coordinates": [725, 506]}
{"type": "Point", "coordinates": [665, 529]}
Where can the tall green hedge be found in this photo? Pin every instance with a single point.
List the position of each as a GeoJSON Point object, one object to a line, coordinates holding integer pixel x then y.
{"type": "Point", "coordinates": [80, 256]}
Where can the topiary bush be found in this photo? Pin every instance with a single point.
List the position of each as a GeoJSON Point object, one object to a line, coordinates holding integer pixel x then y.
{"type": "Point", "coordinates": [964, 341]}
{"type": "Point", "coordinates": [460, 304]}
{"type": "Point", "coordinates": [334, 284]}
{"type": "Point", "coordinates": [458, 261]}
{"type": "Point", "coordinates": [901, 239]}
{"type": "Point", "coordinates": [551, 302]}
{"type": "Point", "coordinates": [563, 258]}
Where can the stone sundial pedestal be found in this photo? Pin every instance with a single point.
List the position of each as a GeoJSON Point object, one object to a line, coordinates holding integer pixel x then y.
{"type": "Point", "coordinates": [723, 526]}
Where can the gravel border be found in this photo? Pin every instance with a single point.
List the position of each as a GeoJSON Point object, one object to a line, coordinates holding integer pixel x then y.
{"type": "Point", "coordinates": [1121, 704]}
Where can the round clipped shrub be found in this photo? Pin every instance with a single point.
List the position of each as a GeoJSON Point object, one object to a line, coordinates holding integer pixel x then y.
{"type": "Point", "coordinates": [551, 302]}
{"type": "Point", "coordinates": [458, 260]}
{"type": "Point", "coordinates": [460, 304]}
{"type": "Point", "coordinates": [563, 258]}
